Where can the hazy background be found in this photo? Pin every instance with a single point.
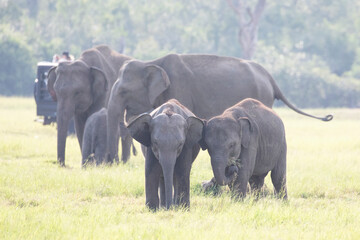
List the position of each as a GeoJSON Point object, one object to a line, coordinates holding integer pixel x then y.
{"type": "Point", "coordinates": [311, 47]}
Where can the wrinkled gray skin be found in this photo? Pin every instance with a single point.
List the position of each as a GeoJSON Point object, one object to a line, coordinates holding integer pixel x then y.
{"type": "Point", "coordinates": [171, 134]}
{"type": "Point", "coordinates": [94, 139]}
{"type": "Point", "coordinates": [81, 88]}
{"type": "Point", "coordinates": [205, 84]}
{"type": "Point", "coordinates": [253, 133]}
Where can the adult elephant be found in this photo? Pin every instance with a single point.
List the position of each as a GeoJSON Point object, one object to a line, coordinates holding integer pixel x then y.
{"type": "Point", "coordinates": [205, 84]}
{"type": "Point", "coordinates": [81, 88]}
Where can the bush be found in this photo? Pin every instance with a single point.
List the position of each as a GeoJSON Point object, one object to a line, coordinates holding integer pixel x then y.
{"type": "Point", "coordinates": [17, 68]}
{"type": "Point", "coordinates": [307, 81]}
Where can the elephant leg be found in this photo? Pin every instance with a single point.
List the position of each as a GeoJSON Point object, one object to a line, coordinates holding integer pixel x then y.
{"type": "Point", "coordinates": [80, 121]}
{"type": "Point", "coordinates": [182, 175]}
{"type": "Point", "coordinates": [240, 185]}
{"type": "Point", "coordinates": [116, 157]}
{"type": "Point", "coordinates": [162, 192]}
{"type": "Point", "coordinates": [153, 172]}
{"type": "Point", "coordinates": [87, 161]}
{"type": "Point", "coordinates": [133, 147]}
{"type": "Point", "coordinates": [126, 143]}
{"type": "Point", "coordinates": [278, 177]}
{"type": "Point", "coordinates": [256, 183]}
{"type": "Point", "coordinates": [176, 191]}
{"type": "Point", "coordinates": [99, 155]}
{"type": "Point", "coordinates": [86, 152]}
{"type": "Point", "coordinates": [183, 189]}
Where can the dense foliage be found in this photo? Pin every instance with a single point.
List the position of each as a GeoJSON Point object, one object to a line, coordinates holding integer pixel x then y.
{"type": "Point", "coordinates": [310, 47]}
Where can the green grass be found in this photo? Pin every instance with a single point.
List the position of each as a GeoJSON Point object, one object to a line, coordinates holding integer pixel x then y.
{"type": "Point", "coordinates": [39, 200]}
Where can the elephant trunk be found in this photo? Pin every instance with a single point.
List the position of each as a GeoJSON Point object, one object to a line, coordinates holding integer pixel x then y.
{"type": "Point", "coordinates": [168, 164]}
{"type": "Point", "coordinates": [115, 117]}
{"type": "Point", "coordinates": [63, 119]}
{"type": "Point", "coordinates": [219, 169]}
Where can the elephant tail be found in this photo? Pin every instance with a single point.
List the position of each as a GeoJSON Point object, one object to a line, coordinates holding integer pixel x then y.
{"type": "Point", "coordinates": [280, 96]}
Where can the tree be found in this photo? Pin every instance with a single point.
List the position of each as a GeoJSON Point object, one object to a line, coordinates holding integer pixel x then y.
{"type": "Point", "coordinates": [16, 67]}
{"type": "Point", "coordinates": [312, 44]}
{"type": "Point", "coordinates": [248, 21]}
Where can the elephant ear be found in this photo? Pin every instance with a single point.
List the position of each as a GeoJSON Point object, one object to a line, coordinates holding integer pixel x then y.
{"type": "Point", "coordinates": [195, 129]}
{"type": "Point", "coordinates": [157, 82]}
{"type": "Point", "coordinates": [51, 81]}
{"type": "Point", "coordinates": [99, 82]}
{"type": "Point", "coordinates": [202, 142]}
{"type": "Point", "coordinates": [139, 129]}
{"type": "Point", "coordinates": [247, 130]}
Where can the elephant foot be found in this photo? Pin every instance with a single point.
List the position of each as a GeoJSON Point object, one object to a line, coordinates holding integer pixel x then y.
{"type": "Point", "coordinates": [206, 185]}
{"type": "Point", "coordinates": [211, 187]}
{"type": "Point", "coordinates": [61, 163]}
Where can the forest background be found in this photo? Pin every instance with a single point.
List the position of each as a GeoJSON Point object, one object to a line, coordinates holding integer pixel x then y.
{"type": "Point", "coordinates": [311, 48]}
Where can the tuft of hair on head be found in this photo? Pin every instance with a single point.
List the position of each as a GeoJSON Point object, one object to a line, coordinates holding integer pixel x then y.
{"type": "Point", "coordinates": [169, 112]}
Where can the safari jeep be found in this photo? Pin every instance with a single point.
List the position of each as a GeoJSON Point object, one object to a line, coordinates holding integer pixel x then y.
{"type": "Point", "coordinates": [45, 105]}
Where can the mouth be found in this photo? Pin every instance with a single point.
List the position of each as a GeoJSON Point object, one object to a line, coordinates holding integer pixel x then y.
{"type": "Point", "coordinates": [231, 161]}
{"type": "Point", "coordinates": [230, 170]}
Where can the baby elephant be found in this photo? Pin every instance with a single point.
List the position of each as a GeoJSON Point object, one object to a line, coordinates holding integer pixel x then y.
{"type": "Point", "coordinates": [253, 136]}
{"type": "Point", "coordinates": [170, 133]}
{"type": "Point", "coordinates": [94, 138]}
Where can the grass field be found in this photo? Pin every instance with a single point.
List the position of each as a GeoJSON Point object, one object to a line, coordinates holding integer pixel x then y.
{"type": "Point", "coordinates": [39, 200]}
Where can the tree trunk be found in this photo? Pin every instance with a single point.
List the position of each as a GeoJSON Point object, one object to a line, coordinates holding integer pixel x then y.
{"type": "Point", "coordinates": [248, 25]}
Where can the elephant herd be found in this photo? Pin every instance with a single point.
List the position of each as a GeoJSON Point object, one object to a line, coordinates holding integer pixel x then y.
{"type": "Point", "coordinates": [174, 105]}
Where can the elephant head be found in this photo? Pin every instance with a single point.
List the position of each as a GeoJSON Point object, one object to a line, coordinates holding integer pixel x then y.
{"type": "Point", "coordinates": [224, 137]}
{"type": "Point", "coordinates": [166, 134]}
{"type": "Point", "coordinates": [75, 86]}
{"type": "Point", "coordinates": [138, 89]}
